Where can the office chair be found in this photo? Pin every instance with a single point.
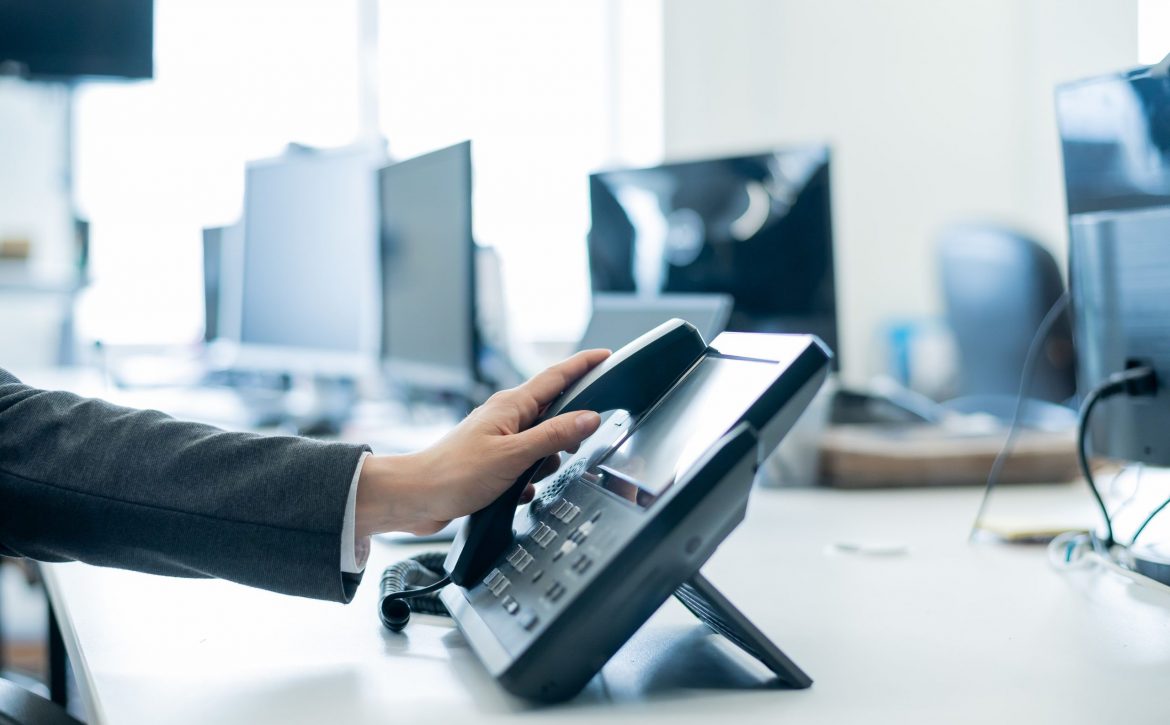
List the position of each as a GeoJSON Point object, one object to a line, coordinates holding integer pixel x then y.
{"type": "Point", "coordinates": [18, 706]}
{"type": "Point", "coordinates": [998, 285]}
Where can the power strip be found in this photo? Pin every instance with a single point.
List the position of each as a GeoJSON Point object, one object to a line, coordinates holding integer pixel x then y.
{"type": "Point", "coordinates": [1152, 560]}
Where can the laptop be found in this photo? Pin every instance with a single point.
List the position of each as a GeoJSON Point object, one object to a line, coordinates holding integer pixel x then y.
{"type": "Point", "coordinates": [620, 317]}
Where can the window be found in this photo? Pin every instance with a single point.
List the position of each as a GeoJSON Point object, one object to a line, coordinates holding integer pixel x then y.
{"type": "Point", "coordinates": [1153, 30]}
{"type": "Point", "coordinates": [548, 91]}
{"type": "Point", "coordinates": [528, 83]}
{"type": "Point", "coordinates": [157, 161]}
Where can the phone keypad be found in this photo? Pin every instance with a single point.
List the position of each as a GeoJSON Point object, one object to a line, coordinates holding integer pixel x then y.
{"type": "Point", "coordinates": [555, 559]}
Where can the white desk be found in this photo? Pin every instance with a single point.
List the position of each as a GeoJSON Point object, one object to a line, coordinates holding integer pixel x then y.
{"type": "Point", "coordinates": [950, 632]}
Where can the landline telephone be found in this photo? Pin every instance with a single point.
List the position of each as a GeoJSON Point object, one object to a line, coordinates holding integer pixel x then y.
{"type": "Point", "coordinates": [630, 518]}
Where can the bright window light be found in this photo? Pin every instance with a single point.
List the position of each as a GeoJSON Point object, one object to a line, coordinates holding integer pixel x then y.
{"type": "Point", "coordinates": [1153, 30]}
{"type": "Point", "coordinates": [157, 161]}
{"type": "Point", "coordinates": [547, 90]}
{"type": "Point", "coordinates": [529, 84]}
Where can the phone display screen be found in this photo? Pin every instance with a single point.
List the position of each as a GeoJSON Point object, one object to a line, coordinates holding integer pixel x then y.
{"type": "Point", "coordinates": [674, 435]}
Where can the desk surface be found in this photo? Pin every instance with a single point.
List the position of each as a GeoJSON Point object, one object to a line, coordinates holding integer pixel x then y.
{"type": "Point", "coordinates": [948, 632]}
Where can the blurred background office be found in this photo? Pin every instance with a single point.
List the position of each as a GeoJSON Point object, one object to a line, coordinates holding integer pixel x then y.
{"type": "Point", "coordinates": [255, 127]}
{"type": "Point", "coordinates": [935, 113]}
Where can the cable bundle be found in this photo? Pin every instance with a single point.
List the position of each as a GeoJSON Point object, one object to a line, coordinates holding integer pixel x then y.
{"type": "Point", "coordinates": [417, 579]}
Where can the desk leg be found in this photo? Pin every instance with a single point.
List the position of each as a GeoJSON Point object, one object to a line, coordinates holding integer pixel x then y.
{"type": "Point", "coordinates": [58, 662]}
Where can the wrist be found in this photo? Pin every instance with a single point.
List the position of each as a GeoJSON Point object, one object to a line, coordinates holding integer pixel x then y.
{"type": "Point", "coordinates": [389, 496]}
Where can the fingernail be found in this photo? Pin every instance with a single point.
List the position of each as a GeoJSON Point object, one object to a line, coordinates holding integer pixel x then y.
{"type": "Point", "coordinates": [587, 421]}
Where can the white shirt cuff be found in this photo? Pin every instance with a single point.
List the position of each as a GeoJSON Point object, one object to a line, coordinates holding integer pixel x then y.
{"type": "Point", "coordinates": [354, 552]}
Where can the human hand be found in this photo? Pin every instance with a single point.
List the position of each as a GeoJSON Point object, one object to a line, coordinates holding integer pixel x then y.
{"type": "Point", "coordinates": [478, 460]}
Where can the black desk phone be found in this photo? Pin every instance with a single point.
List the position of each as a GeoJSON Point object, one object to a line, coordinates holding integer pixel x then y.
{"type": "Point", "coordinates": [546, 594]}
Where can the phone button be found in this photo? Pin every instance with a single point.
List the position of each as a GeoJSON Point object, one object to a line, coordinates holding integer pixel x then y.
{"type": "Point", "coordinates": [496, 582]}
{"type": "Point", "coordinates": [566, 547]}
{"type": "Point", "coordinates": [555, 592]}
{"type": "Point", "coordinates": [520, 558]}
{"type": "Point", "coordinates": [529, 621]}
{"type": "Point", "coordinates": [544, 535]}
{"type": "Point", "coordinates": [511, 606]}
{"type": "Point", "coordinates": [582, 564]}
{"type": "Point", "coordinates": [566, 510]}
{"type": "Point", "coordinates": [581, 533]}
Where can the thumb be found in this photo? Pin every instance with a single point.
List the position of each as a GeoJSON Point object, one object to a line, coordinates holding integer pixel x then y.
{"type": "Point", "coordinates": [557, 434]}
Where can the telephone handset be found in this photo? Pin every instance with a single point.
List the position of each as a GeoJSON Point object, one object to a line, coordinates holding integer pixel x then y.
{"type": "Point", "coordinates": [633, 379]}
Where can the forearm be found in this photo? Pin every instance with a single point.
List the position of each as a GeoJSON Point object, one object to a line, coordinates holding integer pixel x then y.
{"type": "Point", "coordinates": [391, 496]}
{"type": "Point", "coordinates": [82, 479]}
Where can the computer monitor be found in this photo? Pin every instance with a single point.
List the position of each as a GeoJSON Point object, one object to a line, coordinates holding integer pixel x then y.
{"type": "Point", "coordinates": [70, 39]}
{"type": "Point", "coordinates": [757, 227]}
{"type": "Point", "coordinates": [1115, 139]}
{"type": "Point", "coordinates": [221, 247]}
{"type": "Point", "coordinates": [429, 338]}
{"type": "Point", "coordinates": [308, 285]}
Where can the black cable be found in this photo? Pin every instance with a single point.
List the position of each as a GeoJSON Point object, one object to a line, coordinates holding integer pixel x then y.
{"type": "Point", "coordinates": [1135, 381]}
{"type": "Point", "coordinates": [1026, 373]}
{"type": "Point", "coordinates": [417, 579]}
{"type": "Point", "coordinates": [1091, 401]}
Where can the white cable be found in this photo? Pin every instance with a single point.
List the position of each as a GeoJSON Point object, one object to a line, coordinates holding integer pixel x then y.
{"type": "Point", "coordinates": [1075, 550]}
{"type": "Point", "coordinates": [1114, 486]}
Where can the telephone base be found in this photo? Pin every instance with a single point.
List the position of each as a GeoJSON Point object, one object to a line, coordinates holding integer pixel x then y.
{"type": "Point", "coordinates": [717, 612]}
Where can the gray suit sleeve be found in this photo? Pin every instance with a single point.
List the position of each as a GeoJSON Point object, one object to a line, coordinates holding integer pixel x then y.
{"type": "Point", "coordinates": [84, 480]}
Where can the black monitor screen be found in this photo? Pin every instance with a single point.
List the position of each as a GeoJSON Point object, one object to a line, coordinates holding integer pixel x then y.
{"type": "Point", "coordinates": [77, 38]}
{"type": "Point", "coordinates": [1115, 138]}
{"type": "Point", "coordinates": [756, 227]}
{"type": "Point", "coordinates": [428, 258]}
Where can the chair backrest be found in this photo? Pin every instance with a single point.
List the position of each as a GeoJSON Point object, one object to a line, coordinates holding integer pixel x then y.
{"type": "Point", "coordinates": [998, 285]}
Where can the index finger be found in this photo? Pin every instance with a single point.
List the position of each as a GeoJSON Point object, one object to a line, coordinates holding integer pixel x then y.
{"type": "Point", "coordinates": [546, 385]}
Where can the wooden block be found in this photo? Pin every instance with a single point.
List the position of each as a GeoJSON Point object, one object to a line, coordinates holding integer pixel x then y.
{"type": "Point", "coordinates": [863, 456]}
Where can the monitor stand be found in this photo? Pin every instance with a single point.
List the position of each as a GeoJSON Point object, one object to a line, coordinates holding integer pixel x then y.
{"type": "Point", "coordinates": [717, 612]}
{"type": "Point", "coordinates": [322, 406]}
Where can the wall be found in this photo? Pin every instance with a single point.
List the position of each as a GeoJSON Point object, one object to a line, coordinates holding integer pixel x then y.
{"type": "Point", "coordinates": [937, 111]}
{"type": "Point", "coordinates": [33, 200]}
{"type": "Point", "coordinates": [34, 205]}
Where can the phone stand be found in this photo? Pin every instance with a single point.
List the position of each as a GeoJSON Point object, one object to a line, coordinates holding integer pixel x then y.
{"type": "Point", "coordinates": [717, 612]}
